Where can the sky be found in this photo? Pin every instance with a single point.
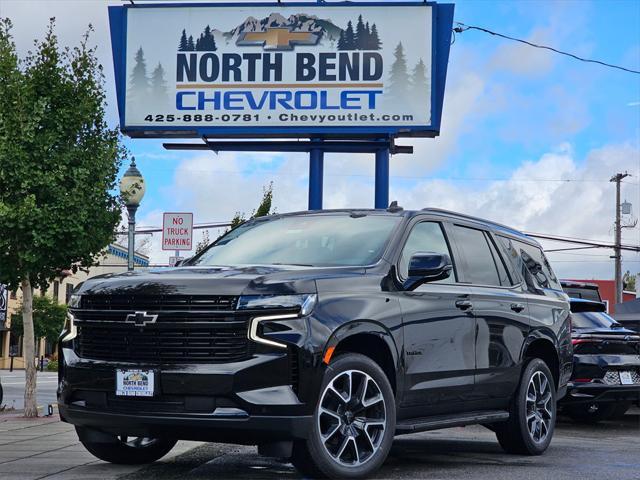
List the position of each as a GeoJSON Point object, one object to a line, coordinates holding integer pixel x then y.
{"type": "Point", "coordinates": [529, 138]}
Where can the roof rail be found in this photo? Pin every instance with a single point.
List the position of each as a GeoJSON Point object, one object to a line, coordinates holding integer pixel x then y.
{"type": "Point", "coordinates": [471, 217]}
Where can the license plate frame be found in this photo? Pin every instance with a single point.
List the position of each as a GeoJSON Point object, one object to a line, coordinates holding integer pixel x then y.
{"type": "Point", "coordinates": [626, 378]}
{"type": "Point", "coordinates": [135, 382]}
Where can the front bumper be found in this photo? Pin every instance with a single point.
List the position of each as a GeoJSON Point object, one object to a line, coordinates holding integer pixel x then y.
{"type": "Point", "coordinates": [598, 392]}
{"type": "Point", "coordinates": [249, 430]}
{"type": "Point", "coordinates": [247, 402]}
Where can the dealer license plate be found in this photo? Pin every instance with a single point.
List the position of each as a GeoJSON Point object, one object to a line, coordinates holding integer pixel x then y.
{"type": "Point", "coordinates": [134, 383]}
{"type": "Point", "coordinates": [626, 378]}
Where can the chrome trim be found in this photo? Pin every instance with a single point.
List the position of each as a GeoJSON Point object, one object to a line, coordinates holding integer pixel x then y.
{"type": "Point", "coordinates": [255, 321]}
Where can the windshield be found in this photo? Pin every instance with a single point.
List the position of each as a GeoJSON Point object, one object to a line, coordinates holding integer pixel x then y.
{"type": "Point", "coordinates": [593, 320]}
{"type": "Point", "coordinates": [310, 240]}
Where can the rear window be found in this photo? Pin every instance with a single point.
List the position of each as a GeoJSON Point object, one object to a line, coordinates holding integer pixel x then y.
{"type": "Point", "coordinates": [530, 259]}
{"type": "Point", "coordinates": [585, 293]}
{"type": "Point", "coordinates": [592, 320]}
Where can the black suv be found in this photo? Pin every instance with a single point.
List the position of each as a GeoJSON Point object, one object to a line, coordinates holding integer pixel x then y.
{"type": "Point", "coordinates": [606, 369]}
{"type": "Point", "coordinates": [318, 336]}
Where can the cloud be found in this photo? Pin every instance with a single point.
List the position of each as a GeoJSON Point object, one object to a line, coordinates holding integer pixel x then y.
{"type": "Point", "coordinates": [557, 193]}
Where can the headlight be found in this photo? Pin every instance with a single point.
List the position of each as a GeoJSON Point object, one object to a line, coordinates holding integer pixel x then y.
{"type": "Point", "coordinates": [74, 301]}
{"type": "Point", "coordinates": [305, 302]}
{"type": "Point", "coordinates": [70, 327]}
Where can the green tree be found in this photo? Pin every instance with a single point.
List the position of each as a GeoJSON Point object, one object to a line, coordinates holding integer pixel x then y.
{"type": "Point", "coordinates": [264, 208]}
{"type": "Point", "coordinates": [48, 318]}
{"type": "Point", "coordinates": [629, 281]}
{"type": "Point", "coordinates": [203, 243]}
{"type": "Point", "coordinates": [59, 167]}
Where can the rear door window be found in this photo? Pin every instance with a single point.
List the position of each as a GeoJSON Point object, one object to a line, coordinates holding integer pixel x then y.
{"type": "Point", "coordinates": [477, 259]}
{"type": "Point", "coordinates": [531, 261]}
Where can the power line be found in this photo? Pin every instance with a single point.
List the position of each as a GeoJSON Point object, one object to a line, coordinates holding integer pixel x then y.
{"type": "Point", "coordinates": [462, 28]}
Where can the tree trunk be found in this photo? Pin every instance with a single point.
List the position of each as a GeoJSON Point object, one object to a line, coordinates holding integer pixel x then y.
{"type": "Point", "coordinates": [29, 350]}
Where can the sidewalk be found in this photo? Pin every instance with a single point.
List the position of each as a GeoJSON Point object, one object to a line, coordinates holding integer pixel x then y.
{"type": "Point", "coordinates": [44, 447]}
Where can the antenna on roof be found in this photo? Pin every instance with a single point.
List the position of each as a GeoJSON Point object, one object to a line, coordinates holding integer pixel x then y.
{"type": "Point", "coordinates": [394, 207]}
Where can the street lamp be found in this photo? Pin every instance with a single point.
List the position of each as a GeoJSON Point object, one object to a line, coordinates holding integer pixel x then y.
{"type": "Point", "coordinates": [132, 190]}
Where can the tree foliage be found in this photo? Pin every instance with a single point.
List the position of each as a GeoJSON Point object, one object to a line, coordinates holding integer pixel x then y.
{"type": "Point", "coordinates": [629, 281]}
{"type": "Point", "coordinates": [59, 160]}
{"type": "Point", "coordinates": [48, 318]}
{"type": "Point", "coordinates": [59, 163]}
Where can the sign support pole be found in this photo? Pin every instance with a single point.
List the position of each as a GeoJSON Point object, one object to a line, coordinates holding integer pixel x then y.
{"type": "Point", "coordinates": [316, 174]}
{"type": "Point", "coordinates": [382, 178]}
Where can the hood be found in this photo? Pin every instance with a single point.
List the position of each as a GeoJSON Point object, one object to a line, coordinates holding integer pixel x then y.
{"type": "Point", "coordinates": [245, 280]}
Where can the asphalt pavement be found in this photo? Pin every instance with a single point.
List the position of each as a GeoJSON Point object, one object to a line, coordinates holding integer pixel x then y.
{"type": "Point", "coordinates": [47, 448]}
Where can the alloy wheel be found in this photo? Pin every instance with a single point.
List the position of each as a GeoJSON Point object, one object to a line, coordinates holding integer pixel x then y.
{"type": "Point", "coordinates": [352, 418]}
{"type": "Point", "coordinates": [539, 411]}
{"type": "Point", "coordinates": [137, 442]}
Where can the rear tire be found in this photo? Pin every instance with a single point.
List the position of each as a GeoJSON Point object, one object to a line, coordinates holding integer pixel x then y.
{"type": "Point", "coordinates": [353, 424]}
{"type": "Point", "coordinates": [130, 450]}
{"type": "Point", "coordinates": [532, 419]}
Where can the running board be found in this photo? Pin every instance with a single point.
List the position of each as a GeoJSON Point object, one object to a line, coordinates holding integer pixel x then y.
{"type": "Point", "coordinates": [436, 422]}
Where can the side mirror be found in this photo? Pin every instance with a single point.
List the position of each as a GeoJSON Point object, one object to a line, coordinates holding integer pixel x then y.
{"type": "Point", "coordinates": [427, 267]}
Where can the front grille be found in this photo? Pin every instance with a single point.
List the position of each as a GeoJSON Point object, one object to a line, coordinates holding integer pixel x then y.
{"type": "Point", "coordinates": [215, 343]}
{"type": "Point", "coordinates": [612, 377]}
{"type": "Point", "coordinates": [180, 329]}
{"type": "Point", "coordinates": [183, 303]}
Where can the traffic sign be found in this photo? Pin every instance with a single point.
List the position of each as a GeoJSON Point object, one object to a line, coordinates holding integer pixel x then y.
{"type": "Point", "coordinates": [177, 231]}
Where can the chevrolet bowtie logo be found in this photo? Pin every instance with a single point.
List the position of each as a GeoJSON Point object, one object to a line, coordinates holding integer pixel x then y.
{"type": "Point", "coordinates": [141, 318]}
{"type": "Point", "coordinates": [277, 39]}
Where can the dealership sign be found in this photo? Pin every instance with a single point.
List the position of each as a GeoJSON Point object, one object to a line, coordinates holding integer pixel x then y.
{"type": "Point", "coordinates": [4, 303]}
{"type": "Point", "coordinates": [177, 231]}
{"type": "Point", "coordinates": [281, 69]}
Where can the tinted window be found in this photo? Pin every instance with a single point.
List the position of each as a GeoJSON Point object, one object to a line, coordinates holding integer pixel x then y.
{"type": "Point", "coordinates": [479, 267]}
{"type": "Point", "coordinates": [586, 293]}
{"type": "Point", "coordinates": [592, 320]}
{"type": "Point", "coordinates": [502, 271]}
{"type": "Point", "coordinates": [538, 265]}
{"type": "Point", "coordinates": [425, 237]}
{"type": "Point", "coordinates": [313, 240]}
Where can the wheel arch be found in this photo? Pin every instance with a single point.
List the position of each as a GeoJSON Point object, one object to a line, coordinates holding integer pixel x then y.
{"type": "Point", "coordinates": [369, 338]}
{"type": "Point", "coordinates": [545, 349]}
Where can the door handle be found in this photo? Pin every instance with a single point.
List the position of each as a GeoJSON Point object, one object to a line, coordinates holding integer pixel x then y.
{"type": "Point", "coordinates": [517, 307]}
{"type": "Point", "coordinates": [464, 304]}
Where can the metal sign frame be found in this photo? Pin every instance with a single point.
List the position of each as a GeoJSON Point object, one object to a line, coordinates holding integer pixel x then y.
{"type": "Point", "coordinates": [442, 21]}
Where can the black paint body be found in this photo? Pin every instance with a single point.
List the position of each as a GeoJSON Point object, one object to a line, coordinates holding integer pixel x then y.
{"type": "Point", "coordinates": [440, 358]}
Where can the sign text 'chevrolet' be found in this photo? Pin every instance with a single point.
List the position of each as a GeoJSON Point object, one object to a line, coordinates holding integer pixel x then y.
{"type": "Point", "coordinates": [268, 69]}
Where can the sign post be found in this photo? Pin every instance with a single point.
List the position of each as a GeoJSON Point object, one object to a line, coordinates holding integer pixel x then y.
{"type": "Point", "coordinates": [177, 231]}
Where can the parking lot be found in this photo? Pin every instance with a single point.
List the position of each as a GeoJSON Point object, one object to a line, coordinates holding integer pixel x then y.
{"type": "Point", "coordinates": [47, 448]}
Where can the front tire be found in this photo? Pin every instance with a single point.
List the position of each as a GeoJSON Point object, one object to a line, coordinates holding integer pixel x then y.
{"type": "Point", "coordinates": [353, 424]}
{"type": "Point", "coordinates": [532, 419]}
{"type": "Point", "coordinates": [130, 450]}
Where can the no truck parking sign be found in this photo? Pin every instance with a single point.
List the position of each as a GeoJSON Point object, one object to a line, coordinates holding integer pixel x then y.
{"type": "Point", "coordinates": [177, 231]}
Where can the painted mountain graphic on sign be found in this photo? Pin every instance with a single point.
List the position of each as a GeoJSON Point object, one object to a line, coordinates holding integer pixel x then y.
{"type": "Point", "coordinates": [360, 37]}
{"type": "Point", "coordinates": [300, 22]}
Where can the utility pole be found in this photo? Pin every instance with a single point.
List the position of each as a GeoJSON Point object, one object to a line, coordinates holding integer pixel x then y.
{"type": "Point", "coordinates": [617, 179]}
